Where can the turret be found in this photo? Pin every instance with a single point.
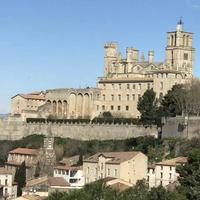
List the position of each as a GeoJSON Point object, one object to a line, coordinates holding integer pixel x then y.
{"type": "Point", "coordinates": [111, 55]}
{"type": "Point", "coordinates": [151, 56]}
{"type": "Point", "coordinates": [132, 54]}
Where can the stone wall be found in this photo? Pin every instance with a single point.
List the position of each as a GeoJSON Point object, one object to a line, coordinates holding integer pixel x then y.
{"type": "Point", "coordinates": [181, 127]}
{"type": "Point", "coordinates": [14, 128]}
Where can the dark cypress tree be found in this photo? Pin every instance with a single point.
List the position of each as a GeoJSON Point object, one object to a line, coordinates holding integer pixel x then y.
{"type": "Point", "coordinates": [20, 178]}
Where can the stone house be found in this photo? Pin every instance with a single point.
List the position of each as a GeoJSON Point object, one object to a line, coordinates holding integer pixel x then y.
{"type": "Point", "coordinates": [164, 173]}
{"type": "Point", "coordinates": [128, 166]}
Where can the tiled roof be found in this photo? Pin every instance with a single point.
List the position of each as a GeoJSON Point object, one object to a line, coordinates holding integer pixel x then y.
{"type": "Point", "coordinates": [4, 171]}
{"type": "Point", "coordinates": [174, 161]}
{"type": "Point", "coordinates": [13, 163]}
{"type": "Point", "coordinates": [51, 181]}
{"type": "Point", "coordinates": [68, 167]}
{"type": "Point", "coordinates": [127, 80]}
{"type": "Point", "coordinates": [58, 181]}
{"type": "Point", "coordinates": [25, 151]}
{"type": "Point", "coordinates": [31, 96]}
{"type": "Point", "coordinates": [115, 157]}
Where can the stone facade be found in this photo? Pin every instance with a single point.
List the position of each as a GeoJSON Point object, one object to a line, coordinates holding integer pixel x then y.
{"type": "Point", "coordinates": [125, 80]}
{"type": "Point", "coordinates": [128, 166]}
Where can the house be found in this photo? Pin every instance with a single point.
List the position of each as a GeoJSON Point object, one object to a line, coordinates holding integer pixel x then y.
{"type": "Point", "coordinates": [42, 186]}
{"type": "Point", "coordinates": [164, 173]}
{"type": "Point", "coordinates": [19, 155]}
{"type": "Point", "coordinates": [7, 188]}
{"type": "Point", "coordinates": [72, 174]}
{"type": "Point", "coordinates": [128, 166]}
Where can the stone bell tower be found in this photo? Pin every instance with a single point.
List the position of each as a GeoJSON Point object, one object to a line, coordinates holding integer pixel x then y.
{"type": "Point", "coordinates": [179, 50]}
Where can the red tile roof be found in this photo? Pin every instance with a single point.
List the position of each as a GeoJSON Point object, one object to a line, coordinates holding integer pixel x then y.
{"type": "Point", "coordinates": [25, 151]}
{"type": "Point", "coordinates": [115, 157]}
{"type": "Point", "coordinates": [174, 161]}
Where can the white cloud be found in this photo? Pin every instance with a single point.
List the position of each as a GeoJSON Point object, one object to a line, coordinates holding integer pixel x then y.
{"type": "Point", "coordinates": [193, 3]}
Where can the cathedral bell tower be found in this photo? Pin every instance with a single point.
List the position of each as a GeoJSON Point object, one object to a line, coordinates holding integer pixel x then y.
{"type": "Point", "coordinates": [179, 50]}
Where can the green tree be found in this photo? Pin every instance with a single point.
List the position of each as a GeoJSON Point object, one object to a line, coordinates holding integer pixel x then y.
{"type": "Point", "coordinates": [190, 176]}
{"type": "Point", "coordinates": [148, 107]}
{"type": "Point", "coordinates": [173, 102]}
{"type": "Point", "coordinates": [20, 178]}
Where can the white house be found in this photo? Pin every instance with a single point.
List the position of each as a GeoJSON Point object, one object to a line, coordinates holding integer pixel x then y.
{"type": "Point", "coordinates": [72, 174]}
{"type": "Point", "coordinates": [6, 183]}
{"type": "Point", "coordinates": [164, 173]}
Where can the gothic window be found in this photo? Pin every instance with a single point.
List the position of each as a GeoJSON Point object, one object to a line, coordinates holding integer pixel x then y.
{"type": "Point", "coordinates": [112, 97]}
{"type": "Point", "coordinates": [133, 86]}
{"type": "Point", "coordinates": [128, 86]}
{"type": "Point", "coordinates": [119, 97]}
{"type": "Point", "coordinates": [133, 97]}
{"type": "Point", "coordinates": [103, 107]}
{"type": "Point", "coordinates": [112, 107]}
{"type": "Point", "coordinates": [139, 86]}
{"type": "Point", "coordinates": [119, 108]}
{"type": "Point", "coordinates": [127, 108]}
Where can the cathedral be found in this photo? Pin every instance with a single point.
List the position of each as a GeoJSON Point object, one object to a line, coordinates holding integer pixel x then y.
{"type": "Point", "coordinates": [124, 81]}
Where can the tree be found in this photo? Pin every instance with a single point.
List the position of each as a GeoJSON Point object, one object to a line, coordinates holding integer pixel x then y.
{"type": "Point", "coordinates": [173, 102]}
{"type": "Point", "coordinates": [190, 176]}
{"type": "Point", "coordinates": [20, 178]}
{"type": "Point", "coordinates": [148, 108]}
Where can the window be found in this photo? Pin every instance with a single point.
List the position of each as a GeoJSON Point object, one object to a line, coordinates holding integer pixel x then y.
{"type": "Point", "coordinates": [118, 107]}
{"type": "Point", "coordinates": [120, 86]}
{"type": "Point", "coordinates": [88, 170]}
{"type": "Point", "coordinates": [108, 172]}
{"type": "Point", "coordinates": [112, 97]}
{"type": "Point", "coordinates": [139, 86]}
{"type": "Point", "coordinates": [161, 183]}
{"type": "Point", "coordinates": [101, 166]}
{"type": "Point", "coordinates": [6, 182]}
{"type": "Point", "coordinates": [115, 172]}
{"type": "Point", "coordinates": [185, 56]}
{"type": "Point", "coordinates": [127, 97]}
{"type": "Point", "coordinates": [133, 86]}
{"type": "Point", "coordinates": [161, 175]}
{"type": "Point", "coordinates": [133, 97]}
{"type": "Point", "coordinates": [128, 86]}
{"type": "Point", "coordinates": [161, 85]}
{"type": "Point", "coordinates": [97, 107]}
{"type": "Point", "coordinates": [103, 107]}
{"type": "Point", "coordinates": [147, 178]}
{"type": "Point", "coordinates": [139, 95]}
{"type": "Point", "coordinates": [127, 108]}
{"type": "Point", "coordinates": [170, 168]}
{"type": "Point", "coordinates": [112, 107]}
{"type": "Point", "coordinates": [96, 169]}
{"type": "Point", "coordinates": [119, 97]}
{"type": "Point", "coordinates": [113, 86]}
{"type": "Point", "coordinates": [161, 167]}
{"type": "Point", "coordinates": [104, 97]}
{"type": "Point", "coordinates": [148, 86]}
{"type": "Point", "coordinates": [170, 175]}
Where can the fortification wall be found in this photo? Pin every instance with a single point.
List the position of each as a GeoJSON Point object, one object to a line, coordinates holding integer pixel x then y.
{"type": "Point", "coordinates": [181, 127]}
{"type": "Point", "coordinates": [14, 128]}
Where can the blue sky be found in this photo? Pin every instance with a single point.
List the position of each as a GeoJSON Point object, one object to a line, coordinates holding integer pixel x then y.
{"type": "Point", "coordinates": [59, 43]}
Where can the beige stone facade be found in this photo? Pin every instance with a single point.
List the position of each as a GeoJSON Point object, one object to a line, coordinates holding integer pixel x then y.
{"type": "Point", "coordinates": [128, 166]}
{"type": "Point", "coordinates": [124, 81]}
{"type": "Point", "coordinates": [164, 173]}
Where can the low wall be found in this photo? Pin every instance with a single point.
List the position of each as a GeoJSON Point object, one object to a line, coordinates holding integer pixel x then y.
{"type": "Point", "coordinates": [14, 128]}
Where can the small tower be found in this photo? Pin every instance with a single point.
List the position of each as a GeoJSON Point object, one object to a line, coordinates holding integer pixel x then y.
{"type": "Point", "coordinates": [179, 50]}
{"type": "Point", "coordinates": [110, 57]}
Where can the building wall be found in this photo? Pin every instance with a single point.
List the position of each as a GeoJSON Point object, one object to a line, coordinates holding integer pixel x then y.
{"type": "Point", "coordinates": [165, 175]}
{"type": "Point", "coordinates": [6, 180]}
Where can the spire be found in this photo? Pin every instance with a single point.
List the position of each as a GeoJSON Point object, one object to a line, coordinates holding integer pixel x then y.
{"type": "Point", "coordinates": [179, 26]}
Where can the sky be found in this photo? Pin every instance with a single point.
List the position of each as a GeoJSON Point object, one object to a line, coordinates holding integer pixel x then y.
{"type": "Point", "coordinates": [46, 44]}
